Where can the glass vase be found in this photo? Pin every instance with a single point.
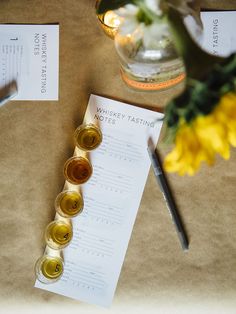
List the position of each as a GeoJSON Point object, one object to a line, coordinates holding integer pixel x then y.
{"type": "Point", "coordinates": [148, 58]}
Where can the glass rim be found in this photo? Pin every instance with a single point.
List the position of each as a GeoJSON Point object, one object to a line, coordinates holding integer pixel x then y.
{"type": "Point", "coordinates": [101, 20]}
{"type": "Point", "coordinates": [59, 197]}
{"type": "Point", "coordinates": [80, 128]}
{"type": "Point", "coordinates": [54, 245]}
{"type": "Point", "coordinates": [38, 269]}
{"type": "Point", "coordinates": [68, 161]}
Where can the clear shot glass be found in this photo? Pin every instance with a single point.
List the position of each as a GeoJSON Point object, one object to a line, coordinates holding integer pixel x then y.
{"type": "Point", "coordinates": [69, 204]}
{"type": "Point", "coordinates": [87, 137]}
{"type": "Point", "coordinates": [49, 269]}
{"type": "Point", "coordinates": [58, 234]}
{"type": "Point", "coordinates": [77, 170]}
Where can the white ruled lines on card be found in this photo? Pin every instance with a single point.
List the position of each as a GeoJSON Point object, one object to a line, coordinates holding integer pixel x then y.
{"type": "Point", "coordinates": [122, 150]}
{"type": "Point", "coordinates": [102, 213]}
{"type": "Point", "coordinates": [11, 63]}
{"type": "Point", "coordinates": [89, 243]}
{"type": "Point", "coordinates": [84, 276]}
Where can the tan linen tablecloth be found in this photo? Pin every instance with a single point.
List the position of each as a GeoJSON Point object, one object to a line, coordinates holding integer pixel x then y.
{"type": "Point", "coordinates": [35, 141]}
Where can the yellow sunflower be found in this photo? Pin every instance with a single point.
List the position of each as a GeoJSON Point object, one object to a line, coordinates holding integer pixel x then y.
{"type": "Point", "coordinates": [203, 137]}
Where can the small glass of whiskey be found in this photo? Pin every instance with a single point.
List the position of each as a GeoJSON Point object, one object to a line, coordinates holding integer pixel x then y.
{"type": "Point", "coordinates": [69, 204]}
{"type": "Point", "coordinates": [87, 137]}
{"type": "Point", "coordinates": [58, 234]}
{"type": "Point", "coordinates": [49, 269]}
{"type": "Point", "coordinates": [77, 170]}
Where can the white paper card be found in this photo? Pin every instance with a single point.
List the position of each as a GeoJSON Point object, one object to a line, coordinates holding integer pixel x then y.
{"type": "Point", "coordinates": [29, 55]}
{"type": "Point", "coordinates": [219, 32]}
{"type": "Point", "coordinates": [219, 36]}
{"type": "Point", "coordinates": [112, 196]}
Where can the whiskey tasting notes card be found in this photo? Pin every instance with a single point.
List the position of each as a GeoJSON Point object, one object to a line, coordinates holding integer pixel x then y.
{"type": "Point", "coordinates": [94, 258]}
{"type": "Point", "coordinates": [219, 32]}
{"type": "Point", "coordinates": [218, 36]}
{"type": "Point", "coordinates": [29, 56]}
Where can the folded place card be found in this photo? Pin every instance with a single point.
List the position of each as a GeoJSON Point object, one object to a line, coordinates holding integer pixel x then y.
{"type": "Point", "coordinates": [29, 57]}
{"type": "Point", "coordinates": [219, 32]}
{"type": "Point", "coordinates": [94, 258]}
{"type": "Point", "coordinates": [218, 37]}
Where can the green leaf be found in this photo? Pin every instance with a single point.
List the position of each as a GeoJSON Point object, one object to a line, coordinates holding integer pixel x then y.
{"type": "Point", "coordinates": [183, 99]}
{"type": "Point", "coordinates": [189, 114]}
{"type": "Point", "coordinates": [142, 17]}
{"type": "Point", "coordinates": [171, 114]}
{"type": "Point", "coordinates": [106, 5]}
{"type": "Point", "coordinates": [229, 65]}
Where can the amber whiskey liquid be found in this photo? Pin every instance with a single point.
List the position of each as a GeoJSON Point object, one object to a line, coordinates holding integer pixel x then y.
{"type": "Point", "coordinates": [49, 269]}
{"type": "Point", "coordinates": [69, 204]}
{"type": "Point", "coordinates": [88, 137]}
{"type": "Point", "coordinates": [58, 234]}
{"type": "Point", "coordinates": [77, 170]}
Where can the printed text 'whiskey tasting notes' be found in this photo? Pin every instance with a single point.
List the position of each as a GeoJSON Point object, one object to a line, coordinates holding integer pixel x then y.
{"type": "Point", "coordinates": [29, 56]}
{"type": "Point", "coordinates": [112, 196]}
